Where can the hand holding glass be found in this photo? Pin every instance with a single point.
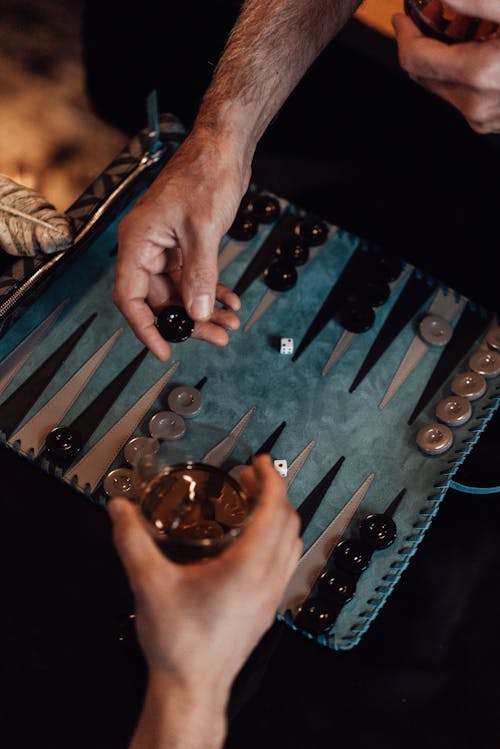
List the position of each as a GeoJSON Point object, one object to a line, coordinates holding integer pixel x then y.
{"type": "Point", "coordinates": [194, 510]}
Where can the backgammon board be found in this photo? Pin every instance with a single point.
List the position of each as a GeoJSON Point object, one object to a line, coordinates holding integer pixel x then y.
{"type": "Point", "coordinates": [369, 380]}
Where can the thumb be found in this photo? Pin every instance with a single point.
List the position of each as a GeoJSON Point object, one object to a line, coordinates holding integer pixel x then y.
{"type": "Point", "coordinates": [200, 273]}
{"type": "Point", "coordinates": [405, 29]}
{"type": "Point", "coordinates": [134, 544]}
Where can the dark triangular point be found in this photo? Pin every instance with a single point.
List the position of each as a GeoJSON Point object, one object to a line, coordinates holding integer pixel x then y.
{"type": "Point", "coordinates": [17, 405]}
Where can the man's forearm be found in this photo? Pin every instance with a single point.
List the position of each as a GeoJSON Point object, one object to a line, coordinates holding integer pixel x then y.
{"type": "Point", "coordinates": [176, 718]}
{"type": "Point", "coordinates": [270, 47]}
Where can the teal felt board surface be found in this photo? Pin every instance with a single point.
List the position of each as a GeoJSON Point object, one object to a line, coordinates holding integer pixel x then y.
{"type": "Point", "coordinates": [251, 372]}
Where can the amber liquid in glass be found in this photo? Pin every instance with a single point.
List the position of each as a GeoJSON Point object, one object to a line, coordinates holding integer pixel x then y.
{"type": "Point", "coordinates": [195, 510]}
{"type": "Point", "coordinates": [436, 19]}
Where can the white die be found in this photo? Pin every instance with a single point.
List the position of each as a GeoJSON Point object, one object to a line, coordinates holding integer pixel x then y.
{"type": "Point", "coordinates": [286, 346]}
{"type": "Point", "coordinates": [282, 467]}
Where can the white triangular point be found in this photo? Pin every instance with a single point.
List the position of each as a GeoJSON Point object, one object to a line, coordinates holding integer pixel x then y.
{"type": "Point", "coordinates": [230, 252]}
{"type": "Point", "coordinates": [93, 465]}
{"type": "Point", "coordinates": [268, 298]}
{"type": "Point", "coordinates": [31, 437]}
{"type": "Point", "coordinates": [223, 449]}
{"type": "Point", "coordinates": [15, 360]}
{"type": "Point", "coordinates": [298, 462]}
{"type": "Point", "coordinates": [312, 562]}
{"type": "Point", "coordinates": [445, 305]}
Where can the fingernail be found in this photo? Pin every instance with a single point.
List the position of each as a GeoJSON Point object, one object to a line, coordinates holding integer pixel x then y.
{"type": "Point", "coordinates": [201, 307]}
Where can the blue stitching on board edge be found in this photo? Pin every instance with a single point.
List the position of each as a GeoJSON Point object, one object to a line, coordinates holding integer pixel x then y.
{"type": "Point", "coordinates": [457, 486]}
{"type": "Point", "coordinates": [348, 642]}
{"type": "Point", "coordinates": [360, 627]}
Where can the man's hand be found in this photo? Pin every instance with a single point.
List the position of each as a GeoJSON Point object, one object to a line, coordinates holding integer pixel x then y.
{"type": "Point", "coordinates": [169, 242]}
{"type": "Point", "coordinates": [198, 623]}
{"type": "Point", "coordinates": [466, 75]}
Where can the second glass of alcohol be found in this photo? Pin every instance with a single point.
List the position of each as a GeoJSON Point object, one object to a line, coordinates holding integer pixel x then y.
{"type": "Point", "coordinates": [436, 19]}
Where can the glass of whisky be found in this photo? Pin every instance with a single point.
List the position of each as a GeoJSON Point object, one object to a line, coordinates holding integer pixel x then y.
{"type": "Point", "coordinates": [194, 510]}
{"type": "Point", "coordinates": [436, 19]}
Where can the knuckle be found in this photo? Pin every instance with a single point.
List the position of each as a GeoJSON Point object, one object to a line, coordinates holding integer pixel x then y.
{"type": "Point", "coordinates": [475, 78]}
{"type": "Point", "coordinates": [202, 272]}
{"type": "Point", "coordinates": [206, 224]}
{"type": "Point", "coordinates": [200, 276]}
{"type": "Point", "coordinates": [482, 77]}
{"type": "Point", "coordinates": [475, 111]}
{"type": "Point", "coordinates": [478, 126]}
{"type": "Point", "coordinates": [201, 226]}
{"type": "Point", "coordinates": [410, 59]}
{"type": "Point", "coordinates": [475, 106]}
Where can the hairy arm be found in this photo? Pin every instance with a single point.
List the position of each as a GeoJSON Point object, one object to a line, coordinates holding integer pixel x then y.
{"type": "Point", "coordinates": [271, 46]}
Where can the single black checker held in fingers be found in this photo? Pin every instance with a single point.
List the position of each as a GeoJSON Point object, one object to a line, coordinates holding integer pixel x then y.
{"type": "Point", "coordinates": [174, 324]}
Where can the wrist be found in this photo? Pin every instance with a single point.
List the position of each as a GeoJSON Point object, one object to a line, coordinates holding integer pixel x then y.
{"type": "Point", "coordinates": [209, 153]}
{"type": "Point", "coordinates": [181, 716]}
{"type": "Point", "coordinates": [199, 691]}
{"type": "Point", "coordinates": [233, 127]}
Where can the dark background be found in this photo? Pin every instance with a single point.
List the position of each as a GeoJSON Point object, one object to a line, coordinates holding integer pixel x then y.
{"type": "Point", "coordinates": [361, 145]}
{"type": "Point", "coordinates": [357, 141]}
